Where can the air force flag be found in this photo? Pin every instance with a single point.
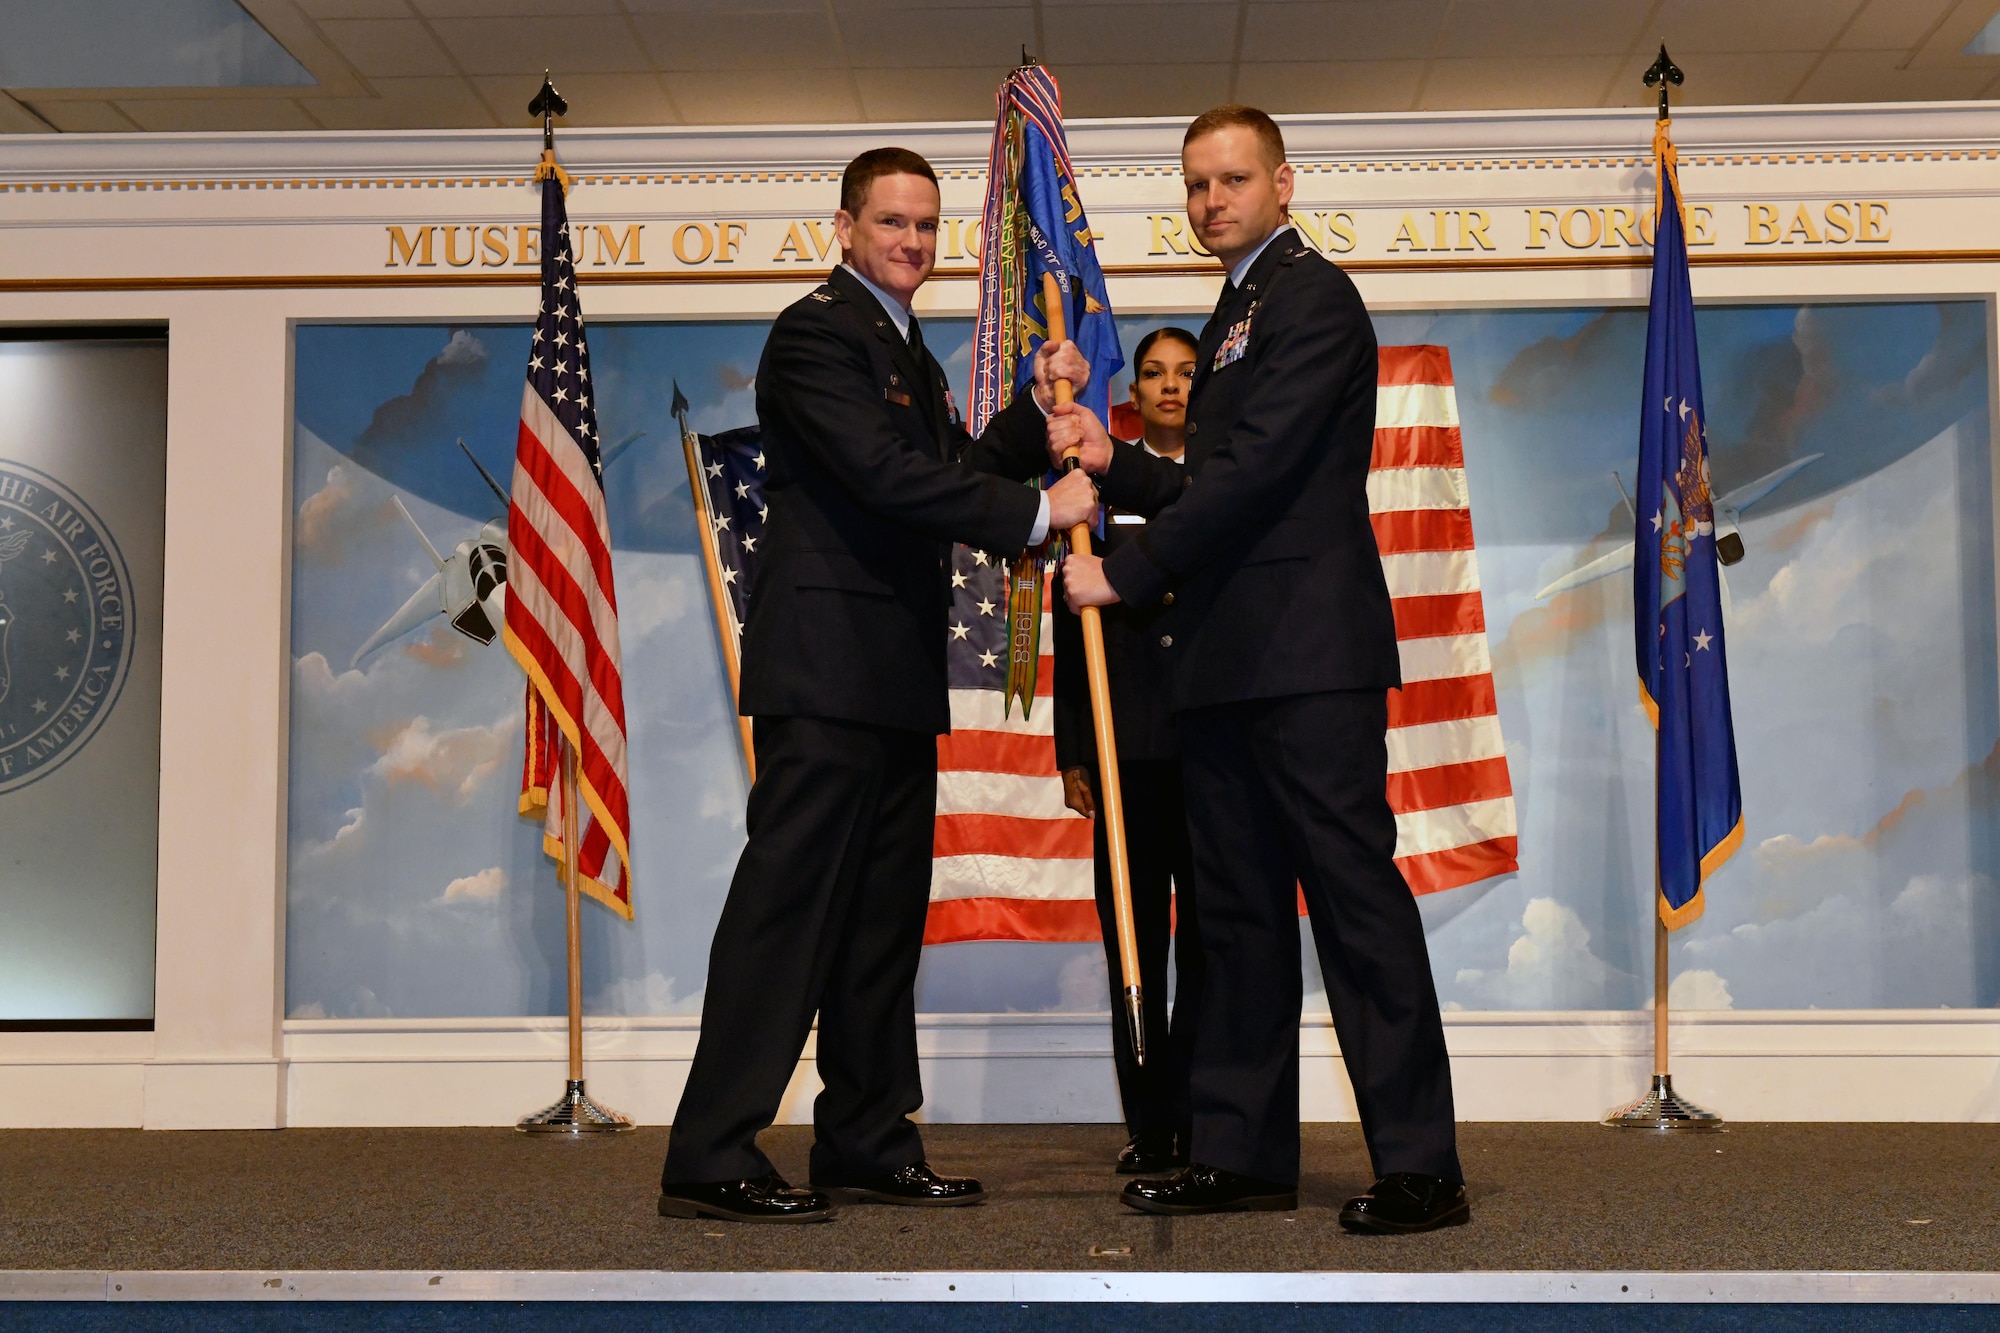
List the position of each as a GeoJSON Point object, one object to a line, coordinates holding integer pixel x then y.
{"type": "Point", "coordinates": [1676, 587]}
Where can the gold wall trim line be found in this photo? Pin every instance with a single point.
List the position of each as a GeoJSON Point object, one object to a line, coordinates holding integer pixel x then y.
{"type": "Point", "coordinates": [364, 281]}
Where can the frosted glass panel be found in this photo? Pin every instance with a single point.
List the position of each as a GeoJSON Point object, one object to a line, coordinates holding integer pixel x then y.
{"type": "Point", "coordinates": [82, 505]}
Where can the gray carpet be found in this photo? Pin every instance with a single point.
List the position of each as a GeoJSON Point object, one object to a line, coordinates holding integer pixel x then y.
{"type": "Point", "coordinates": [1545, 1196]}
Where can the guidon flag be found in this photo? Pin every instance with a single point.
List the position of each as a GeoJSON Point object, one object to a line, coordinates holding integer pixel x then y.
{"type": "Point", "coordinates": [1033, 224]}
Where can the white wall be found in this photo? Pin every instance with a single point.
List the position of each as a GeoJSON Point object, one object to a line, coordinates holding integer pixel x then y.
{"type": "Point", "coordinates": [230, 240]}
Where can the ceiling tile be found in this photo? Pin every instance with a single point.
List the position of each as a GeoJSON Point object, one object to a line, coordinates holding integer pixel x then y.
{"type": "Point", "coordinates": [1555, 28]}
{"type": "Point", "coordinates": [1143, 90]}
{"type": "Point", "coordinates": [951, 38]}
{"type": "Point", "coordinates": [1722, 80]}
{"type": "Point", "coordinates": [388, 47]}
{"type": "Point", "coordinates": [1751, 25]}
{"type": "Point", "coordinates": [433, 103]}
{"type": "Point", "coordinates": [594, 99]}
{"type": "Point", "coordinates": [598, 44]}
{"type": "Point", "coordinates": [1330, 85]}
{"type": "Point", "coordinates": [356, 9]}
{"type": "Point", "coordinates": [1346, 30]}
{"type": "Point", "coordinates": [766, 43]}
{"type": "Point", "coordinates": [85, 117]}
{"type": "Point", "coordinates": [1546, 81]}
{"type": "Point", "coordinates": [735, 6]}
{"type": "Point", "coordinates": [552, 9]}
{"type": "Point", "coordinates": [930, 94]}
{"type": "Point", "coordinates": [1883, 24]}
{"type": "Point", "coordinates": [220, 113]}
{"type": "Point", "coordinates": [1872, 76]}
{"type": "Point", "coordinates": [1138, 34]}
{"type": "Point", "coordinates": [765, 97]}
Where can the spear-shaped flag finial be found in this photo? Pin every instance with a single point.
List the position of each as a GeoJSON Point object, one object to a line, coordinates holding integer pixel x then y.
{"type": "Point", "coordinates": [1663, 72]}
{"type": "Point", "coordinates": [548, 104]}
{"type": "Point", "coordinates": [680, 403]}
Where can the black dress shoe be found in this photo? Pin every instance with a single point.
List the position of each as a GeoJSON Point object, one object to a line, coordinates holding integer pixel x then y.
{"type": "Point", "coordinates": [1148, 1154]}
{"type": "Point", "coordinates": [765, 1199]}
{"type": "Point", "coordinates": [1403, 1202]}
{"type": "Point", "coordinates": [914, 1186]}
{"type": "Point", "coordinates": [1209, 1189]}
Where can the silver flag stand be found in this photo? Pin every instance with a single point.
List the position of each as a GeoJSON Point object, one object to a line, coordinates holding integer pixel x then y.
{"type": "Point", "coordinates": [1662, 1108]}
{"type": "Point", "coordinates": [574, 1113]}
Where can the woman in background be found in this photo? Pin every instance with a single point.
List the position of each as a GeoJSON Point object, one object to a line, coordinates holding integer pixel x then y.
{"type": "Point", "coordinates": [1155, 1097]}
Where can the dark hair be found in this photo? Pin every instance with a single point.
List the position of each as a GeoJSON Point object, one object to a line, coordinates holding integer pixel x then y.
{"type": "Point", "coordinates": [863, 171]}
{"type": "Point", "coordinates": [1169, 332]}
{"type": "Point", "coordinates": [1269, 138]}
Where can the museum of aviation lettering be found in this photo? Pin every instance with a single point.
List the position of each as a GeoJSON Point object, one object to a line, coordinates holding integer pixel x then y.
{"type": "Point", "coordinates": [65, 624]}
{"type": "Point", "coordinates": [779, 243]}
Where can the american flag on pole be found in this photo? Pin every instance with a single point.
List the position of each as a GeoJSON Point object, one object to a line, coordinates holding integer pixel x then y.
{"type": "Point", "coordinates": [1011, 862]}
{"type": "Point", "coordinates": [562, 612]}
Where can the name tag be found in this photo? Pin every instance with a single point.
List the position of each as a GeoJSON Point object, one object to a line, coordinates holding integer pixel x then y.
{"type": "Point", "coordinates": [1127, 518]}
{"type": "Point", "coordinates": [897, 397]}
{"type": "Point", "coordinates": [1234, 343]}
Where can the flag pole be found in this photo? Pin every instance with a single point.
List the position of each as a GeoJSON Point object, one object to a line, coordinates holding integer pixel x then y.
{"type": "Point", "coordinates": [574, 1112]}
{"type": "Point", "coordinates": [1111, 801]}
{"type": "Point", "coordinates": [1662, 1108]}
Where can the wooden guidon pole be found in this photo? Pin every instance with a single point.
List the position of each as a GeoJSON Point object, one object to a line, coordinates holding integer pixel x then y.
{"type": "Point", "coordinates": [1110, 799]}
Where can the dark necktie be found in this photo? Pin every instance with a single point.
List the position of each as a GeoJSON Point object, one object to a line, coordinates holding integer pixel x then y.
{"type": "Point", "coordinates": [916, 339]}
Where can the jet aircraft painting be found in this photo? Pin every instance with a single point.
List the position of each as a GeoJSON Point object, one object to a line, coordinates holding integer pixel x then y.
{"type": "Point", "coordinates": [1728, 540]}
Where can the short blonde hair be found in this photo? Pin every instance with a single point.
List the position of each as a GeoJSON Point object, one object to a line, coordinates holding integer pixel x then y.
{"type": "Point", "coordinates": [1269, 137]}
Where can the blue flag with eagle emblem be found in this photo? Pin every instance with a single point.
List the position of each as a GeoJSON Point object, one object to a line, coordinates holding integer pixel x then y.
{"type": "Point", "coordinates": [1676, 585]}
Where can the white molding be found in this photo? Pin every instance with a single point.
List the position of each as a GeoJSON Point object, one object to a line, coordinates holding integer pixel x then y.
{"type": "Point", "coordinates": [283, 155]}
{"type": "Point", "coordinates": [1933, 1065]}
{"type": "Point", "coordinates": [1850, 1065]}
{"type": "Point", "coordinates": [969, 1287]}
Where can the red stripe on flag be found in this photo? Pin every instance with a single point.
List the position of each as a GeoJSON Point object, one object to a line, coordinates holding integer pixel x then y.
{"type": "Point", "coordinates": [1012, 835]}
{"type": "Point", "coordinates": [557, 668]}
{"type": "Point", "coordinates": [1439, 614]}
{"type": "Point", "coordinates": [1432, 871]}
{"type": "Point", "coordinates": [532, 551]}
{"type": "Point", "coordinates": [1417, 446]}
{"type": "Point", "coordinates": [1449, 784]}
{"type": "Point", "coordinates": [1417, 363]}
{"type": "Point", "coordinates": [1045, 921]}
{"type": "Point", "coordinates": [569, 504]}
{"type": "Point", "coordinates": [1422, 701]}
{"type": "Point", "coordinates": [1401, 531]}
{"type": "Point", "coordinates": [997, 752]}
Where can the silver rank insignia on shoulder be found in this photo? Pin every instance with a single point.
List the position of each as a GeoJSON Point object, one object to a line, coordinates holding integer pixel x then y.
{"type": "Point", "coordinates": [820, 296]}
{"type": "Point", "coordinates": [1236, 342]}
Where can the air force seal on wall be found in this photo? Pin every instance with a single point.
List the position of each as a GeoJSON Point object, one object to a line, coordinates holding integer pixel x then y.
{"type": "Point", "coordinates": [65, 624]}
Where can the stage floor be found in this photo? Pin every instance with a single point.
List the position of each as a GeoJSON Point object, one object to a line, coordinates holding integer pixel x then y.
{"type": "Point", "coordinates": [1546, 1197]}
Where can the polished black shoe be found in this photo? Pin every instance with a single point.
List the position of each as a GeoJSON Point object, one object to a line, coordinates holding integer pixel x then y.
{"type": "Point", "coordinates": [1150, 1154]}
{"type": "Point", "coordinates": [914, 1186]}
{"type": "Point", "coordinates": [1404, 1202]}
{"type": "Point", "coordinates": [1209, 1189]}
{"type": "Point", "coordinates": [765, 1199]}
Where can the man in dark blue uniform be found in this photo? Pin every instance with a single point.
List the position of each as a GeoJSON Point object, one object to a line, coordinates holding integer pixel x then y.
{"type": "Point", "coordinates": [871, 477]}
{"type": "Point", "coordinates": [1284, 651]}
{"type": "Point", "coordinates": [1154, 1095]}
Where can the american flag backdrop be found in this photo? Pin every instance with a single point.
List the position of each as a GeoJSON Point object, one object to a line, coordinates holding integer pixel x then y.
{"type": "Point", "coordinates": [1448, 780]}
{"type": "Point", "coordinates": [562, 610]}
{"type": "Point", "coordinates": [1011, 862]}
